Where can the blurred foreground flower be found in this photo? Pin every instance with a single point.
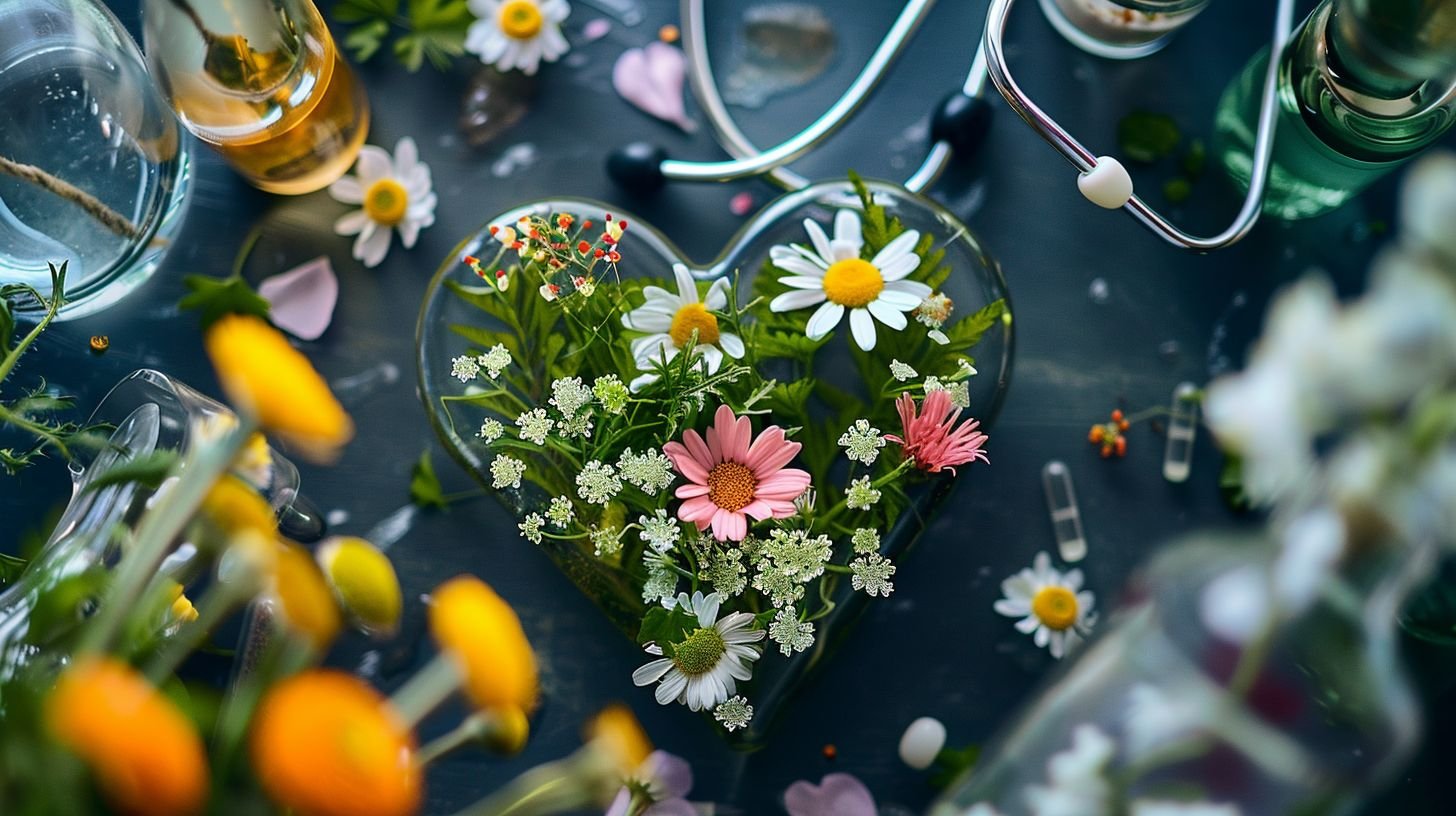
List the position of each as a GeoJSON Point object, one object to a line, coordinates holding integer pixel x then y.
{"type": "Point", "coordinates": [364, 581]}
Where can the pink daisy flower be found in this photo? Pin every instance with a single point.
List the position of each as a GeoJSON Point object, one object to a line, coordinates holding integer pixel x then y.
{"type": "Point", "coordinates": [732, 475]}
{"type": "Point", "coordinates": [932, 439]}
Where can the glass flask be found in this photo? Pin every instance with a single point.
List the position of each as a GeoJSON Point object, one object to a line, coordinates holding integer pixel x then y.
{"type": "Point", "coordinates": [1364, 86]}
{"type": "Point", "coordinates": [1187, 705]}
{"type": "Point", "coordinates": [93, 167]}
{"type": "Point", "coordinates": [263, 82]}
{"type": "Point", "coordinates": [1120, 29]}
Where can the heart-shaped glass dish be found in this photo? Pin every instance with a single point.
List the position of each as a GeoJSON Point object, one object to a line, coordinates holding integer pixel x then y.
{"type": "Point", "coordinates": [447, 318]}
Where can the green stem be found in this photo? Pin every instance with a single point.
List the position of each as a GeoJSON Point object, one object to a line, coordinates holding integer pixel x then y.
{"type": "Point", "coordinates": [471, 729]}
{"type": "Point", "coordinates": [425, 691]}
{"type": "Point", "coordinates": [159, 528]}
{"type": "Point", "coordinates": [567, 784]}
{"type": "Point", "coordinates": [840, 506]}
{"type": "Point", "coordinates": [53, 307]}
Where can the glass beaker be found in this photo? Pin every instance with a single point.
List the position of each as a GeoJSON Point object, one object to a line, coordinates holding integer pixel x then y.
{"type": "Point", "coordinates": [93, 168]}
{"type": "Point", "coordinates": [262, 82]}
{"type": "Point", "coordinates": [1120, 29]}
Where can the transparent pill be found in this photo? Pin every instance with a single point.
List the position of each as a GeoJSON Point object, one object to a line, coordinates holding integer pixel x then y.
{"type": "Point", "coordinates": [1056, 480]}
{"type": "Point", "coordinates": [1182, 431]}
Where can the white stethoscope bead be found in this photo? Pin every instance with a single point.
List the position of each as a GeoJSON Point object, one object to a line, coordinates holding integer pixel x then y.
{"type": "Point", "coordinates": [1107, 184]}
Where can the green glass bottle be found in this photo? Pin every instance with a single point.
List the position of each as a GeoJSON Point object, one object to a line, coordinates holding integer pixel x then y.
{"type": "Point", "coordinates": [1364, 86]}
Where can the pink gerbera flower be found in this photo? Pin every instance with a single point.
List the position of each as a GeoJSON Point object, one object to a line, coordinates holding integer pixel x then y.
{"type": "Point", "coordinates": [733, 475]}
{"type": "Point", "coordinates": [932, 439]}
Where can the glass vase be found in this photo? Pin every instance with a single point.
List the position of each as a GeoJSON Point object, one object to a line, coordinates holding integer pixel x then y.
{"type": "Point", "coordinates": [1302, 714]}
{"type": "Point", "coordinates": [150, 412]}
{"type": "Point", "coordinates": [263, 82]}
{"type": "Point", "coordinates": [445, 331]}
{"type": "Point", "coordinates": [93, 167]}
{"type": "Point", "coordinates": [1120, 29]}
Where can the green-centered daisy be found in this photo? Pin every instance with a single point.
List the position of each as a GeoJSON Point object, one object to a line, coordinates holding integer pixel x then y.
{"type": "Point", "coordinates": [708, 663]}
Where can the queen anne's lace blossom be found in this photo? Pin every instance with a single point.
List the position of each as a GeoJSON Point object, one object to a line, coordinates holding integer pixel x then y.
{"type": "Point", "coordinates": [861, 495]}
{"type": "Point", "coordinates": [560, 513]}
{"type": "Point", "coordinates": [534, 425]}
{"type": "Point", "coordinates": [660, 530]}
{"type": "Point", "coordinates": [569, 395]}
{"type": "Point", "coordinates": [464, 368]}
{"type": "Point", "coordinates": [871, 573]}
{"type": "Point", "coordinates": [790, 633]}
{"type": "Point", "coordinates": [530, 527]}
{"type": "Point", "coordinates": [862, 442]}
{"type": "Point", "coordinates": [734, 713]}
{"type": "Point", "coordinates": [902, 372]}
{"type": "Point", "coordinates": [506, 471]}
{"type": "Point", "coordinates": [865, 540]}
{"type": "Point", "coordinates": [496, 360]}
{"type": "Point", "coordinates": [597, 483]}
{"type": "Point", "coordinates": [649, 470]}
{"type": "Point", "coordinates": [491, 430]}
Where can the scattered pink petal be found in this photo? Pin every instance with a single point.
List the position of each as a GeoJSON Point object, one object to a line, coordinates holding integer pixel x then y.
{"type": "Point", "coordinates": [595, 30]}
{"type": "Point", "coordinates": [302, 299]}
{"type": "Point", "coordinates": [740, 204]}
{"type": "Point", "coordinates": [652, 79]}
{"type": "Point", "coordinates": [837, 794]}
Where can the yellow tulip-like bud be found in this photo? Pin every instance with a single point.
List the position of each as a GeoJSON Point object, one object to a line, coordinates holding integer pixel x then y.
{"type": "Point", "coordinates": [234, 507]}
{"type": "Point", "coordinates": [364, 581]}
{"type": "Point", "coordinates": [304, 599]}
{"type": "Point", "coordinates": [616, 733]}
{"type": "Point", "coordinates": [145, 754]}
{"type": "Point", "coordinates": [481, 632]}
{"type": "Point", "coordinates": [324, 743]}
{"type": "Point", "coordinates": [271, 381]}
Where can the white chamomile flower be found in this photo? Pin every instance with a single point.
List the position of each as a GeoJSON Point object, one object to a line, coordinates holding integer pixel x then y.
{"type": "Point", "coordinates": [834, 274]}
{"type": "Point", "coordinates": [790, 633]}
{"type": "Point", "coordinates": [1077, 782]}
{"type": "Point", "coordinates": [491, 430]}
{"type": "Point", "coordinates": [670, 319]}
{"type": "Point", "coordinates": [862, 442]}
{"type": "Point", "coordinates": [395, 193]}
{"type": "Point", "coordinates": [1053, 607]}
{"type": "Point", "coordinates": [531, 527]}
{"type": "Point", "coordinates": [734, 713]}
{"type": "Point", "coordinates": [872, 573]}
{"type": "Point", "coordinates": [506, 471]}
{"type": "Point", "coordinates": [707, 664]}
{"type": "Point", "coordinates": [861, 495]}
{"type": "Point", "coordinates": [511, 34]}
{"type": "Point", "coordinates": [660, 530]}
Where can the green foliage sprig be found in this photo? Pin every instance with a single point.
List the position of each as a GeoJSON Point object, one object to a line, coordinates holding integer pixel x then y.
{"type": "Point", "coordinates": [432, 30]}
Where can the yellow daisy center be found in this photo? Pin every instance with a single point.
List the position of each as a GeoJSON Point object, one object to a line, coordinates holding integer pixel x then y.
{"type": "Point", "coordinates": [730, 485]}
{"type": "Point", "coordinates": [520, 19]}
{"type": "Point", "coordinates": [385, 202]}
{"type": "Point", "coordinates": [690, 317]}
{"type": "Point", "coordinates": [1055, 607]}
{"type": "Point", "coordinates": [853, 283]}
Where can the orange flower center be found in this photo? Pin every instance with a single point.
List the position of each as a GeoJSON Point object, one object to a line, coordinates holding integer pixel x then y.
{"type": "Point", "coordinates": [730, 485]}
{"type": "Point", "coordinates": [853, 283]}
{"type": "Point", "coordinates": [1055, 607]}
{"type": "Point", "coordinates": [694, 316]}
{"type": "Point", "coordinates": [520, 19]}
{"type": "Point", "coordinates": [385, 202]}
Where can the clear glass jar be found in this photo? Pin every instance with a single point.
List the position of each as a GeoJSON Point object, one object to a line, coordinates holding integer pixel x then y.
{"type": "Point", "coordinates": [444, 332]}
{"type": "Point", "coordinates": [93, 167]}
{"type": "Point", "coordinates": [1307, 714]}
{"type": "Point", "coordinates": [263, 82]}
{"type": "Point", "coordinates": [1120, 29]}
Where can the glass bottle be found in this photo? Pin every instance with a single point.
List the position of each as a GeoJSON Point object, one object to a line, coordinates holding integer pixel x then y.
{"type": "Point", "coordinates": [1364, 86]}
{"type": "Point", "coordinates": [263, 82]}
{"type": "Point", "coordinates": [1307, 713]}
{"type": "Point", "coordinates": [93, 167]}
{"type": "Point", "coordinates": [1120, 29]}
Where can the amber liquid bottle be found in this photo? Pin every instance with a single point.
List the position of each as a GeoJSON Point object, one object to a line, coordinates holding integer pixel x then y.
{"type": "Point", "coordinates": [263, 83]}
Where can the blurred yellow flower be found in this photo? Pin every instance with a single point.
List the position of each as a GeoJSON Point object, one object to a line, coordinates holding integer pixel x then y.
{"type": "Point", "coordinates": [364, 581]}
{"type": "Point", "coordinates": [620, 738]}
{"type": "Point", "coordinates": [235, 507]}
{"type": "Point", "coordinates": [181, 609]}
{"type": "Point", "coordinates": [304, 599]}
{"type": "Point", "coordinates": [270, 380]}
{"type": "Point", "coordinates": [482, 633]}
{"type": "Point", "coordinates": [146, 755]}
{"type": "Point", "coordinates": [324, 743]}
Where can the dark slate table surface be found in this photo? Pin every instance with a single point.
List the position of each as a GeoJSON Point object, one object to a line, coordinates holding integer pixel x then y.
{"type": "Point", "coordinates": [934, 648]}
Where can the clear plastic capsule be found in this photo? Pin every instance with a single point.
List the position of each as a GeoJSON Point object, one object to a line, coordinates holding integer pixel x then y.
{"type": "Point", "coordinates": [1182, 432]}
{"type": "Point", "coordinates": [1061, 498]}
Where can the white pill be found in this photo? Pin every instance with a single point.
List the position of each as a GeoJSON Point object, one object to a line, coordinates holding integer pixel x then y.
{"type": "Point", "coordinates": [921, 743]}
{"type": "Point", "coordinates": [1107, 184]}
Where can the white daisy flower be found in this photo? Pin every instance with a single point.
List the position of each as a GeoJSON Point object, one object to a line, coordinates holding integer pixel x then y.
{"type": "Point", "coordinates": [395, 193]}
{"type": "Point", "coordinates": [834, 274]}
{"type": "Point", "coordinates": [1052, 605]}
{"type": "Point", "coordinates": [670, 320]}
{"type": "Point", "coordinates": [706, 666]}
{"type": "Point", "coordinates": [511, 34]}
{"type": "Point", "coordinates": [1077, 783]}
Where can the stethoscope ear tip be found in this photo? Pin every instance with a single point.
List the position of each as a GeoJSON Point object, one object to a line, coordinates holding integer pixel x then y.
{"type": "Point", "coordinates": [638, 167]}
{"type": "Point", "coordinates": [961, 121]}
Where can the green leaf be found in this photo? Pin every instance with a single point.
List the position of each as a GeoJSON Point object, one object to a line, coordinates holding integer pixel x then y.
{"type": "Point", "coordinates": [364, 41]}
{"type": "Point", "coordinates": [1177, 190]}
{"type": "Point", "coordinates": [425, 489]}
{"type": "Point", "coordinates": [148, 470]}
{"type": "Point", "coordinates": [951, 763]}
{"type": "Point", "coordinates": [1194, 159]}
{"type": "Point", "coordinates": [665, 627]}
{"type": "Point", "coordinates": [216, 297]}
{"type": "Point", "coordinates": [1231, 483]}
{"type": "Point", "coordinates": [967, 332]}
{"type": "Point", "coordinates": [356, 11]}
{"type": "Point", "coordinates": [10, 569]}
{"type": "Point", "coordinates": [1145, 136]}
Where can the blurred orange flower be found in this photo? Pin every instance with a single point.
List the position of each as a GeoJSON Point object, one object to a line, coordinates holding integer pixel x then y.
{"type": "Point", "coordinates": [482, 633]}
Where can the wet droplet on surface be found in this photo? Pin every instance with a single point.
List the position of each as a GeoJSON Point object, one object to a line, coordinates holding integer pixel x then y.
{"type": "Point", "coordinates": [515, 158]}
{"type": "Point", "coordinates": [1099, 291]}
{"type": "Point", "coordinates": [780, 47]}
{"type": "Point", "coordinates": [1056, 481]}
{"type": "Point", "coordinates": [1182, 432]}
{"type": "Point", "coordinates": [493, 102]}
{"type": "Point", "coordinates": [1169, 351]}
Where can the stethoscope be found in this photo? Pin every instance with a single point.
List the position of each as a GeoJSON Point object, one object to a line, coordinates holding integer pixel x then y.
{"type": "Point", "coordinates": [958, 125]}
